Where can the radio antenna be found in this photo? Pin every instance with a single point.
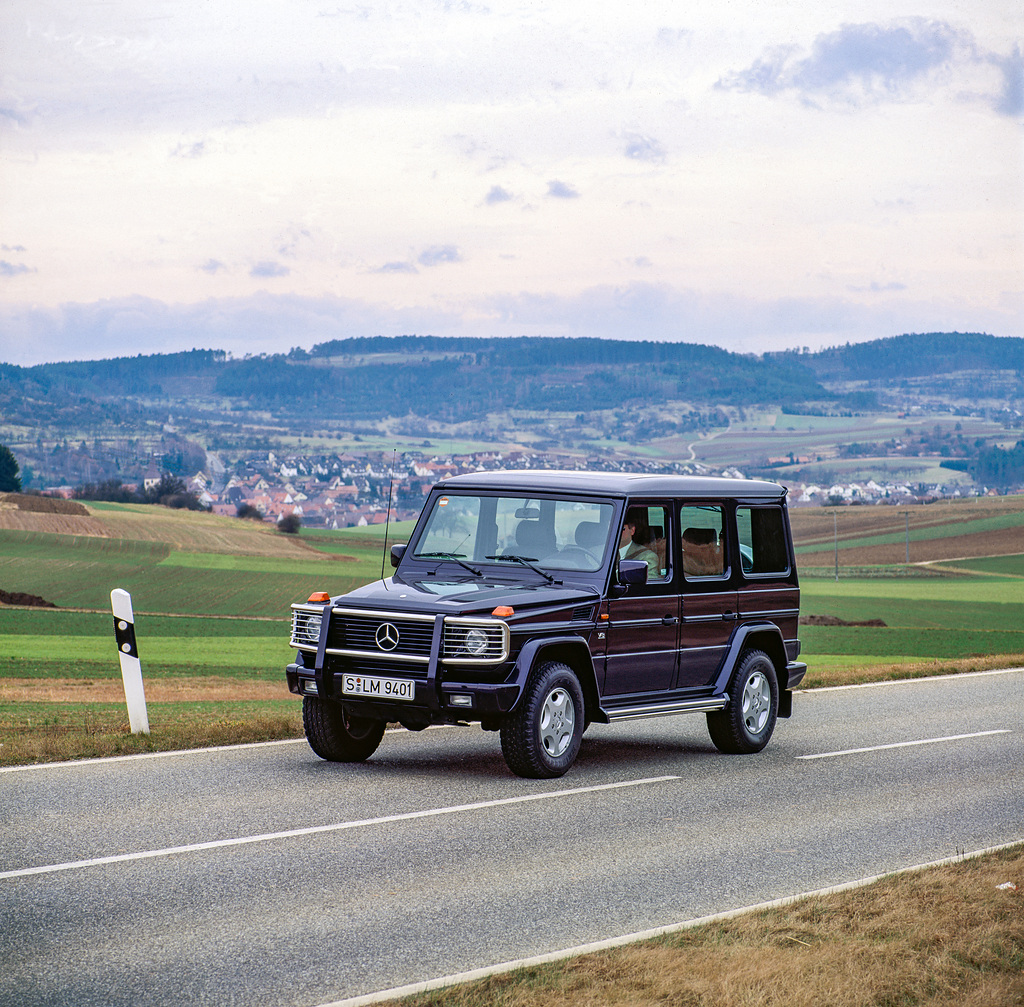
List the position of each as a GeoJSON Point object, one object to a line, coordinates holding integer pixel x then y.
{"type": "Point", "coordinates": [387, 520]}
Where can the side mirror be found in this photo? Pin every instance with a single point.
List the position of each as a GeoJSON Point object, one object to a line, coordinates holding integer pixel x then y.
{"type": "Point", "coordinates": [397, 552]}
{"type": "Point", "coordinates": [632, 572]}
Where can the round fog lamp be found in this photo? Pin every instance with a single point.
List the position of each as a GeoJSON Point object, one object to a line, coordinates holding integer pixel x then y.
{"type": "Point", "coordinates": [476, 642]}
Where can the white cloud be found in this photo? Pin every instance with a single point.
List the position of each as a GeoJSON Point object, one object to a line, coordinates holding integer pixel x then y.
{"type": "Point", "coordinates": [438, 255]}
{"type": "Point", "coordinates": [561, 190]}
{"type": "Point", "coordinates": [270, 270]}
{"type": "Point", "coordinates": [899, 60]}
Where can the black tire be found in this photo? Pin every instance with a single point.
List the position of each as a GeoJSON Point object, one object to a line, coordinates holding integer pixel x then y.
{"type": "Point", "coordinates": [336, 736]}
{"type": "Point", "coordinates": [747, 723]}
{"type": "Point", "coordinates": [541, 737]}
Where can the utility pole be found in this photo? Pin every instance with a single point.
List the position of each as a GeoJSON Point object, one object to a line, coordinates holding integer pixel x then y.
{"type": "Point", "coordinates": [835, 532]}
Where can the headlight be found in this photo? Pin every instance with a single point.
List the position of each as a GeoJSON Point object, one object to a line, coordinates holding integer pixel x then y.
{"type": "Point", "coordinates": [471, 640]}
{"type": "Point", "coordinates": [476, 642]}
{"type": "Point", "coordinates": [306, 628]}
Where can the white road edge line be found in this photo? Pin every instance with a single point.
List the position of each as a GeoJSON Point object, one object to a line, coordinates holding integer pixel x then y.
{"type": "Point", "coordinates": [217, 844]}
{"type": "Point", "coordinates": [175, 753]}
{"type": "Point", "coordinates": [904, 744]}
{"type": "Point", "coordinates": [146, 755]}
{"type": "Point", "coordinates": [642, 935]}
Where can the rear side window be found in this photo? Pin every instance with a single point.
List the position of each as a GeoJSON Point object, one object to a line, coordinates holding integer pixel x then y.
{"type": "Point", "coordinates": [703, 544]}
{"type": "Point", "coordinates": [762, 536]}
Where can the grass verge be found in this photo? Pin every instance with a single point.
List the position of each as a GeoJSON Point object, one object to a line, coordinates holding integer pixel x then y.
{"type": "Point", "coordinates": [33, 732]}
{"type": "Point", "coordinates": [832, 670]}
{"type": "Point", "coordinates": [51, 719]}
{"type": "Point", "coordinates": [947, 935]}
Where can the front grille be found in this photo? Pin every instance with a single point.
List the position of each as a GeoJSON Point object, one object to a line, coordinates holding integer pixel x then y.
{"type": "Point", "coordinates": [384, 635]}
{"type": "Point", "coordinates": [361, 634]}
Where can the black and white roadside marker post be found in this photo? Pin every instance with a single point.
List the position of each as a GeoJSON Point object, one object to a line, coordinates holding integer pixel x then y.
{"type": "Point", "coordinates": [131, 666]}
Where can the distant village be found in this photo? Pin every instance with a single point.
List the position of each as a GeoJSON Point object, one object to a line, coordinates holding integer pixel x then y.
{"type": "Point", "coordinates": [358, 489]}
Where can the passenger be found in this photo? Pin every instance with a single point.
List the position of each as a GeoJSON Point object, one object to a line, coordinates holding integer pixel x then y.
{"type": "Point", "coordinates": [633, 543]}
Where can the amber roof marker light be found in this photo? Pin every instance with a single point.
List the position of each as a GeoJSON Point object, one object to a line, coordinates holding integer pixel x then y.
{"type": "Point", "coordinates": [319, 598]}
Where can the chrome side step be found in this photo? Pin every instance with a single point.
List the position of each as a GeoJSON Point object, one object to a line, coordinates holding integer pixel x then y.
{"type": "Point", "coordinates": [666, 709]}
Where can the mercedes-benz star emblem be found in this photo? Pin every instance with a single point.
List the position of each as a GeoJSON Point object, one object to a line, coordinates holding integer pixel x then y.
{"type": "Point", "coordinates": [387, 636]}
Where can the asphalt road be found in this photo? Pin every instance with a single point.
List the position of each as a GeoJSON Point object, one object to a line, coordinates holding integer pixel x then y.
{"type": "Point", "coordinates": [261, 875]}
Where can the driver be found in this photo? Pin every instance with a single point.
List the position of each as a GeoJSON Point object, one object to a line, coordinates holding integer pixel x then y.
{"type": "Point", "coordinates": [633, 542]}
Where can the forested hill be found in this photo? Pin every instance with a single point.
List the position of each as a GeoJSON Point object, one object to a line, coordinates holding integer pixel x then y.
{"type": "Point", "coordinates": [463, 378]}
{"type": "Point", "coordinates": [431, 376]}
{"type": "Point", "coordinates": [914, 356]}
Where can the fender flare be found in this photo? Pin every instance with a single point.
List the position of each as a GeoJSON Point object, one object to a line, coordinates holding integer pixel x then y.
{"type": "Point", "coordinates": [574, 651]}
{"type": "Point", "coordinates": [764, 636]}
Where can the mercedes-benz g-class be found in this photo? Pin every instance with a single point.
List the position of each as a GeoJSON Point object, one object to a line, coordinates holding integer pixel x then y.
{"type": "Point", "coordinates": [539, 603]}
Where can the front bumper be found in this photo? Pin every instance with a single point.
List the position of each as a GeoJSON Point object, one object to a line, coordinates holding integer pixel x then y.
{"type": "Point", "coordinates": [434, 701]}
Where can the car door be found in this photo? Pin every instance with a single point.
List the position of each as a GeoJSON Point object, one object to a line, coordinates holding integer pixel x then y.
{"type": "Point", "coordinates": [642, 628]}
{"type": "Point", "coordinates": [768, 588]}
{"type": "Point", "coordinates": [709, 602]}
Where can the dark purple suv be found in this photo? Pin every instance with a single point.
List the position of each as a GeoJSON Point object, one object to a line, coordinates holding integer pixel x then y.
{"type": "Point", "coordinates": [538, 603]}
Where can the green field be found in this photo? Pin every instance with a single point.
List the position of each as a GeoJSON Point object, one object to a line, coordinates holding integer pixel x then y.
{"type": "Point", "coordinates": [932, 619]}
{"type": "Point", "coordinates": [80, 572]}
{"type": "Point", "coordinates": [212, 630]}
{"type": "Point", "coordinates": [212, 626]}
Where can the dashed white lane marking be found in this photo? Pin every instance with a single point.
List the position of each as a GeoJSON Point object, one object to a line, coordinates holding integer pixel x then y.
{"type": "Point", "coordinates": [217, 844]}
{"type": "Point", "coordinates": [903, 744]}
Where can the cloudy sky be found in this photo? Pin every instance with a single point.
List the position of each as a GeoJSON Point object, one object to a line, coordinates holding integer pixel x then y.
{"type": "Point", "coordinates": [262, 175]}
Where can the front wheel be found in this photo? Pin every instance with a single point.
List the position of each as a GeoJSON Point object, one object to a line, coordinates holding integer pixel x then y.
{"type": "Point", "coordinates": [747, 723]}
{"type": "Point", "coordinates": [335, 735]}
{"type": "Point", "coordinates": [541, 737]}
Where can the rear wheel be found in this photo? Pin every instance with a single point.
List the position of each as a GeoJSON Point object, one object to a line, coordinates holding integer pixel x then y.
{"type": "Point", "coordinates": [335, 735]}
{"type": "Point", "coordinates": [541, 737]}
{"type": "Point", "coordinates": [747, 723]}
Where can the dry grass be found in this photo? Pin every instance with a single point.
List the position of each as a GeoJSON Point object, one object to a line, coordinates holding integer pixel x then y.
{"type": "Point", "coordinates": [195, 531]}
{"type": "Point", "coordinates": [58, 732]}
{"type": "Point", "coordinates": [945, 936]}
{"type": "Point", "coordinates": [184, 689]}
{"type": "Point", "coordinates": [188, 531]}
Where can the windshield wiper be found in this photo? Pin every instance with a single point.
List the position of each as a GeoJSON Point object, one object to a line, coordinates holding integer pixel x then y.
{"type": "Point", "coordinates": [456, 556]}
{"type": "Point", "coordinates": [530, 561]}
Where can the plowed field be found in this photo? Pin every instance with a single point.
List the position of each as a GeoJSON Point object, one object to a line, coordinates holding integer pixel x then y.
{"type": "Point", "coordinates": [877, 535]}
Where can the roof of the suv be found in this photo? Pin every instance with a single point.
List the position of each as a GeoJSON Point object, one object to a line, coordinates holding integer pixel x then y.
{"type": "Point", "coordinates": [615, 484]}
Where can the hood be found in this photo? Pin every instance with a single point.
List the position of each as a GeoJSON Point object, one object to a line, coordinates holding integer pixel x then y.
{"type": "Point", "coordinates": [455, 596]}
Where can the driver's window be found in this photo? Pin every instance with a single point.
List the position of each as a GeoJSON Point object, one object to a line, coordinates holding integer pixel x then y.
{"type": "Point", "coordinates": [643, 537]}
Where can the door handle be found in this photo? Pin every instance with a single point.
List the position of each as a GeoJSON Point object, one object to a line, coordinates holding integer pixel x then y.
{"type": "Point", "coordinates": [669, 620]}
{"type": "Point", "coordinates": [729, 615]}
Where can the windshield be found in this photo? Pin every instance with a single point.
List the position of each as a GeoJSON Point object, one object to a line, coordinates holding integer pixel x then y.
{"type": "Point", "coordinates": [522, 531]}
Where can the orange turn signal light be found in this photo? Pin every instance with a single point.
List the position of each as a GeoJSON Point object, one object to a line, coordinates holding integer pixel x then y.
{"type": "Point", "coordinates": [504, 612]}
{"type": "Point", "coordinates": [319, 597]}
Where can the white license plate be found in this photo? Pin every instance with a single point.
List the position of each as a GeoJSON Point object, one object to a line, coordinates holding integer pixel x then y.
{"type": "Point", "coordinates": [378, 688]}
